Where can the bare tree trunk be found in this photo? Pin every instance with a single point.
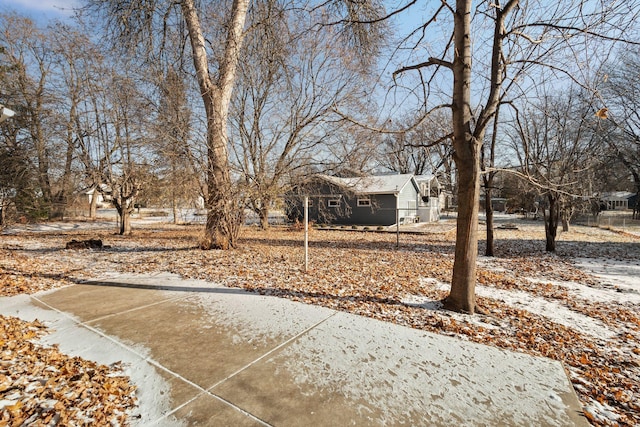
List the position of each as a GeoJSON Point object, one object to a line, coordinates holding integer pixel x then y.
{"type": "Point", "coordinates": [223, 216]}
{"type": "Point", "coordinates": [93, 204]}
{"type": "Point", "coordinates": [564, 216]}
{"type": "Point", "coordinates": [264, 217]}
{"type": "Point", "coordinates": [467, 158]}
{"type": "Point", "coordinates": [174, 206]}
{"type": "Point", "coordinates": [61, 198]}
{"type": "Point", "coordinates": [489, 178]}
{"type": "Point", "coordinates": [125, 222]}
{"type": "Point", "coordinates": [462, 295]}
{"type": "Point", "coordinates": [551, 223]}
{"type": "Point", "coordinates": [489, 217]}
{"type": "Point", "coordinates": [124, 213]}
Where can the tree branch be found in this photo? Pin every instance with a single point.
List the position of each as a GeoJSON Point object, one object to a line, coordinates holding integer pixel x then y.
{"type": "Point", "coordinates": [430, 62]}
{"type": "Point", "coordinates": [387, 131]}
{"type": "Point", "coordinates": [373, 21]}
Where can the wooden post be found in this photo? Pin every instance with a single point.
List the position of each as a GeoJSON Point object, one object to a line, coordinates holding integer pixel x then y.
{"type": "Point", "coordinates": [306, 233]}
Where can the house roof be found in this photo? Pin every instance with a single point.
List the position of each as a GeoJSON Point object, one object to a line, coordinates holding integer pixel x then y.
{"type": "Point", "coordinates": [422, 178]}
{"type": "Point", "coordinates": [380, 184]}
{"type": "Point", "coordinates": [617, 195]}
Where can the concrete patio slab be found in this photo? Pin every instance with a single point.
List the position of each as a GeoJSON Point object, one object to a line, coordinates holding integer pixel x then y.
{"type": "Point", "coordinates": [202, 354]}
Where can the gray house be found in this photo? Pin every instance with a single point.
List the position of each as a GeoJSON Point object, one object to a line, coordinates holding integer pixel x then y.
{"type": "Point", "coordinates": [369, 200]}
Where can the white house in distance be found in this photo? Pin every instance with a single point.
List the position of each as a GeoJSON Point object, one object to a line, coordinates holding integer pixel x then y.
{"type": "Point", "coordinates": [101, 200]}
{"type": "Point", "coordinates": [5, 113]}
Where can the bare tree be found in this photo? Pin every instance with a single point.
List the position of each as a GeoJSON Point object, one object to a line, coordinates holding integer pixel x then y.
{"type": "Point", "coordinates": [175, 160]}
{"type": "Point", "coordinates": [421, 149]}
{"type": "Point", "coordinates": [140, 24]}
{"type": "Point", "coordinates": [621, 123]}
{"type": "Point", "coordinates": [290, 81]}
{"type": "Point", "coordinates": [73, 52]}
{"type": "Point", "coordinates": [521, 37]}
{"type": "Point", "coordinates": [113, 131]}
{"type": "Point", "coordinates": [27, 52]}
{"type": "Point", "coordinates": [558, 152]}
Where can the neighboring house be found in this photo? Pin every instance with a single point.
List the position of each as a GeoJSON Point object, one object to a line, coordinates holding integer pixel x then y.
{"type": "Point", "coordinates": [369, 200]}
{"type": "Point", "coordinates": [617, 200]}
{"type": "Point", "coordinates": [499, 204]}
{"type": "Point", "coordinates": [103, 199]}
{"type": "Point", "coordinates": [633, 201]}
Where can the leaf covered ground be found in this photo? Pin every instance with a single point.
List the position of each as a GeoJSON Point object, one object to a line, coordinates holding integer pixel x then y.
{"type": "Point", "coordinates": [538, 303]}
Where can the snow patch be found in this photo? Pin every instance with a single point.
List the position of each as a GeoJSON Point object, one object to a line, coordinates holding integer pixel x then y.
{"type": "Point", "coordinates": [550, 309]}
{"type": "Point", "coordinates": [256, 319]}
{"type": "Point", "coordinates": [363, 359]}
{"type": "Point", "coordinates": [624, 276]}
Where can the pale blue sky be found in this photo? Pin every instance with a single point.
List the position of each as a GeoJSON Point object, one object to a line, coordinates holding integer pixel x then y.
{"type": "Point", "coordinates": [43, 10]}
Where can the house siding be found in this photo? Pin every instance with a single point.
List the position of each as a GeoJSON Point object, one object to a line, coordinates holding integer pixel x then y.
{"type": "Point", "coordinates": [381, 212]}
{"type": "Point", "coordinates": [408, 203]}
{"type": "Point", "coordinates": [382, 209]}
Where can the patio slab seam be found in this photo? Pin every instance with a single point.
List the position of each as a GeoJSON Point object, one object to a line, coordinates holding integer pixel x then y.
{"type": "Point", "coordinates": [273, 350]}
{"type": "Point", "coordinates": [210, 392]}
{"type": "Point", "coordinates": [131, 310]}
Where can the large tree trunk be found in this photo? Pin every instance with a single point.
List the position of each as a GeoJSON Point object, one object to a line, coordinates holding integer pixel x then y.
{"type": "Point", "coordinates": [263, 212]}
{"type": "Point", "coordinates": [124, 216]}
{"type": "Point", "coordinates": [462, 295]}
{"type": "Point", "coordinates": [221, 227]}
{"type": "Point", "coordinates": [264, 218]}
{"type": "Point", "coordinates": [125, 222]}
{"type": "Point", "coordinates": [467, 158]}
{"type": "Point", "coordinates": [223, 216]}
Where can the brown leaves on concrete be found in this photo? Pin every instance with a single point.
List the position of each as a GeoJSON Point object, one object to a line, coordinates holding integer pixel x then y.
{"type": "Point", "coordinates": [40, 386]}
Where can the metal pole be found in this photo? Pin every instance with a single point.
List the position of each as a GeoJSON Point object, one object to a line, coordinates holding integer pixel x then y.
{"type": "Point", "coordinates": [306, 233]}
{"type": "Point", "coordinates": [397, 228]}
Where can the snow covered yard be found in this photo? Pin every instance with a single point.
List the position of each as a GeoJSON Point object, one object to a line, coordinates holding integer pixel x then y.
{"type": "Point", "coordinates": [580, 306]}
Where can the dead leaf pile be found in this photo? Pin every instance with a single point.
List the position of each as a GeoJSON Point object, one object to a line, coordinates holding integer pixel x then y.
{"type": "Point", "coordinates": [40, 386]}
{"type": "Point", "coordinates": [363, 273]}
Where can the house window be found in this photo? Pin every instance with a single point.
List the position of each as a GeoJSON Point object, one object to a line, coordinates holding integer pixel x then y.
{"type": "Point", "coordinates": [334, 203]}
{"type": "Point", "coordinates": [364, 202]}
